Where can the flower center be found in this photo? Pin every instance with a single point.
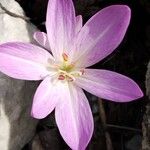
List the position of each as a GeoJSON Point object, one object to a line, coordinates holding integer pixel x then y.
{"type": "Point", "coordinates": [66, 71]}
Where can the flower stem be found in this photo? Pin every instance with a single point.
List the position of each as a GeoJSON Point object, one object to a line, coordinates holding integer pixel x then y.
{"type": "Point", "coordinates": [103, 120]}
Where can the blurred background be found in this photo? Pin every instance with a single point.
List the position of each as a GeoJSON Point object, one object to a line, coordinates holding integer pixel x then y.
{"type": "Point", "coordinates": [121, 129]}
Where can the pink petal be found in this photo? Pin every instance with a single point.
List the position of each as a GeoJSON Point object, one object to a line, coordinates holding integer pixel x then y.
{"type": "Point", "coordinates": [109, 85]}
{"type": "Point", "coordinates": [102, 34]}
{"type": "Point", "coordinates": [60, 24]}
{"type": "Point", "coordinates": [23, 61]}
{"type": "Point", "coordinates": [42, 39]}
{"type": "Point", "coordinates": [45, 99]}
{"type": "Point", "coordinates": [79, 23]}
{"type": "Point", "coordinates": [74, 118]}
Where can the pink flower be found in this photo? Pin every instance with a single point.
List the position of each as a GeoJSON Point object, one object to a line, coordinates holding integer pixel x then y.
{"type": "Point", "coordinates": [74, 47]}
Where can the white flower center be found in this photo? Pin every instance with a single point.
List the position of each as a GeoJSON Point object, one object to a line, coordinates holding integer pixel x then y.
{"type": "Point", "coordinates": [66, 71]}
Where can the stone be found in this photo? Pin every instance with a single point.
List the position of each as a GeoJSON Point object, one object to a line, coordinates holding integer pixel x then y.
{"type": "Point", "coordinates": [146, 118]}
{"type": "Point", "coordinates": [36, 144]}
{"type": "Point", "coordinates": [134, 143]}
{"type": "Point", "coordinates": [17, 127]}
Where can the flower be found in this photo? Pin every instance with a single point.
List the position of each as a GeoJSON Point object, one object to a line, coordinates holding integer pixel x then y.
{"type": "Point", "coordinates": [73, 47]}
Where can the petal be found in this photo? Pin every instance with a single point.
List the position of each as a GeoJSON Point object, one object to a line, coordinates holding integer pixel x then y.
{"type": "Point", "coordinates": [60, 24]}
{"type": "Point", "coordinates": [79, 23]}
{"type": "Point", "coordinates": [23, 61]}
{"type": "Point", "coordinates": [109, 85]}
{"type": "Point", "coordinates": [45, 99]}
{"type": "Point", "coordinates": [74, 118]}
{"type": "Point", "coordinates": [42, 39]}
{"type": "Point", "coordinates": [102, 34]}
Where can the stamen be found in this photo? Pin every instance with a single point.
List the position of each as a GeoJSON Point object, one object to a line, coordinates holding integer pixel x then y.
{"type": "Point", "coordinates": [77, 73]}
{"type": "Point", "coordinates": [65, 56]}
{"type": "Point", "coordinates": [65, 71]}
{"type": "Point", "coordinates": [82, 71]}
{"type": "Point", "coordinates": [61, 71]}
{"type": "Point", "coordinates": [61, 77]}
{"type": "Point", "coordinates": [64, 75]}
{"type": "Point", "coordinates": [70, 78]}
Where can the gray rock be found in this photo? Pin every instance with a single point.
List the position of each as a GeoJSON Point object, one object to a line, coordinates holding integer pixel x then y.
{"type": "Point", "coordinates": [134, 143]}
{"type": "Point", "coordinates": [148, 81]}
{"type": "Point", "coordinates": [146, 118]}
{"type": "Point", "coordinates": [17, 127]}
{"type": "Point", "coordinates": [36, 144]}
